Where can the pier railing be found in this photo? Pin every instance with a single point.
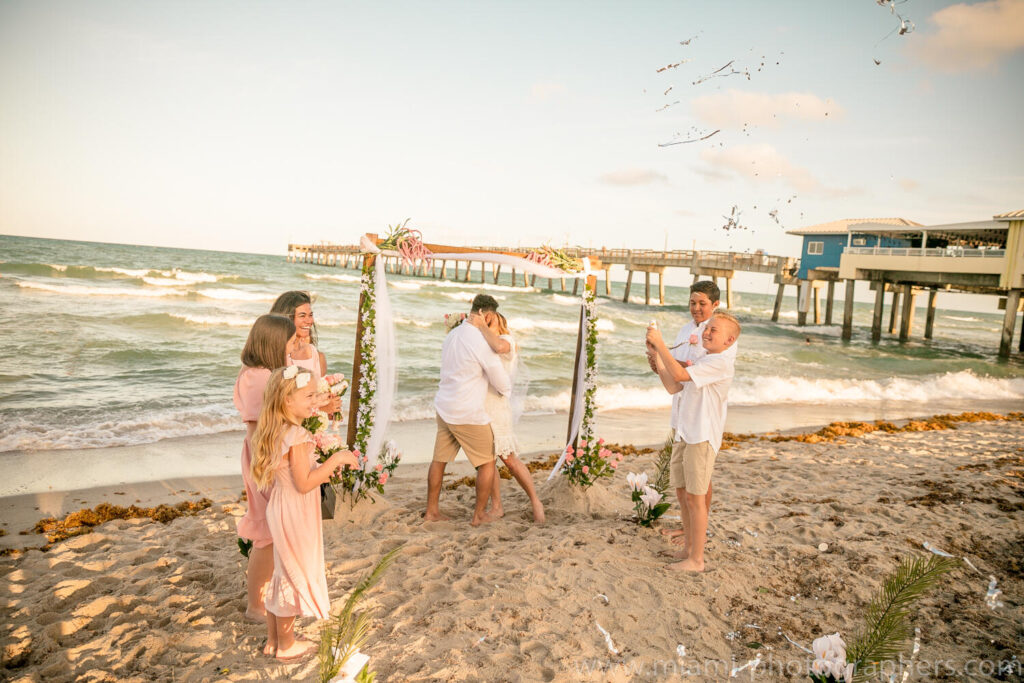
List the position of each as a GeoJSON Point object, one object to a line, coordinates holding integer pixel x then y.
{"type": "Point", "coordinates": [943, 252]}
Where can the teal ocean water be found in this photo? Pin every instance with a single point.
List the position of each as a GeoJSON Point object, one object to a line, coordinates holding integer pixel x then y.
{"type": "Point", "coordinates": [108, 344]}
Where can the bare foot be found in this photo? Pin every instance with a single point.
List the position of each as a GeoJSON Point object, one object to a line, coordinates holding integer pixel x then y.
{"type": "Point", "coordinates": [435, 517]}
{"type": "Point", "coordinates": [496, 512]}
{"type": "Point", "coordinates": [270, 649]}
{"type": "Point", "coordinates": [680, 554]}
{"type": "Point", "coordinates": [686, 565]}
{"type": "Point", "coordinates": [258, 616]}
{"type": "Point", "coordinates": [298, 650]}
{"type": "Point", "coordinates": [538, 512]}
{"type": "Point", "coordinates": [679, 540]}
{"type": "Point", "coordinates": [482, 519]}
{"type": "Point", "coordinates": [672, 533]}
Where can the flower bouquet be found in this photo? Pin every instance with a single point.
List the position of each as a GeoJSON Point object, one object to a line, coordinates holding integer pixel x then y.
{"type": "Point", "coordinates": [453, 320]}
{"type": "Point", "coordinates": [648, 501]}
{"type": "Point", "coordinates": [335, 385]}
{"type": "Point", "coordinates": [589, 462]}
{"type": "Point", "coordinates": [326, 443]}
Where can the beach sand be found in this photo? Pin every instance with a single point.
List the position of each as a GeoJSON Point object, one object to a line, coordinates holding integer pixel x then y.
{"type": "Point", "coordinates": [511, 601]}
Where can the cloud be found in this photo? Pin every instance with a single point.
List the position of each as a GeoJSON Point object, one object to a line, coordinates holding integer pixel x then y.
{"type": "Point", "coordinates": [971, 37]}
{"type": "Point", "coordinates": [733, 108]}
{"type": "Point", "coordinates": [631, 177]}
{"type": "Point", "coordinates": [546, 90]}
{"type": "Point", "coordinates": [763, 164]}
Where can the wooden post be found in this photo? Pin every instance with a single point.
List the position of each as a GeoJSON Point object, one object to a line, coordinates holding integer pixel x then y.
{"type": "Point", "coordinates": [894, 309]}
{"type": "Point", "coordinates": [876, 318]}
{"type": "Point", "coordinates": [830, 298]}
{"type": "Point", "coordinates": [591, 284]}
{"type": "Point", "coordinates": [907, 322]}
{"type": "Point", "coordinates": [929, 321]}
{"type": "Point", "coordinates": [661, 287]}
{"type": "Point", "coordinates": [575, 286]}
{"type": "Point", "coordinates": [357, 361]}
{"type": "Point", "coordinates": [629, 282]}
{"type": "Point", "coordinates": [562, 282]}
{"type": "Point", "coordinates": [497, 272]}
{"type": "Point", "coordinates": [728, 292]}
{"type": "Point", "coordinates": [647, 287]}
{"type": "Point", "coordinates": [456, 270]}
{"type": "Point", "coordinates": [513, 277]}
{"type": "Point", "coordinates": [1009, 322]}
{"type": "Point", "coordinates": [816, 293]}
{"type": "Point", "coordinates": [482, 269]}
{"type": "Point", "coordinates": [847, 310]}
{"type": "Point", "coordinates": [607, 281]}
{"type": "Point", "coordinates": [803, 301]}
{"type": "Point", "coordinates": [469, 268]}
{"type": "Point", "coordinates": [551, 284]}
{"type": "Point", "coordinates": [778, 302]}
{"type": "Point", "coordinates": [695, 278]}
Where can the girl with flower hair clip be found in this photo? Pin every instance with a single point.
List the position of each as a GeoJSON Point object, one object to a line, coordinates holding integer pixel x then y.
{"type": "Point", "coordinates": [284, 463]}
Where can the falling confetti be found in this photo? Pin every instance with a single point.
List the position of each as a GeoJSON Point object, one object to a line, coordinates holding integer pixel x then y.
{"type": "Point", "coordinates": [718, 73]}
{"type": "Point", "coordinates": [732, 222]}
{"type": "Point", "coordinates": [689, 140]}
{"type": "Point", "coordinates": [905, 26]}
{"type": "Point", "coordinates": [663, 108]}
{"type": "Point", "coordinates": [671, 66]}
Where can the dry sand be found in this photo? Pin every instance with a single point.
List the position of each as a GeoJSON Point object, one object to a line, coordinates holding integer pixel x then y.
{"type": "Point", "coordinates": [140, 600]}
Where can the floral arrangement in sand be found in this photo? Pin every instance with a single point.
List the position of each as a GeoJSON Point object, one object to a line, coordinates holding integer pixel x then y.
{"type": "Point", "coordinates": [343, 635]}
{"type": "Point", "coordinates": [648, 502]}
{"type": "Point", "coordinates": [408, 243]}
{"type": "Point", "coordinates": [554, 258]}
{"type": "Point", "coordinates": [589, 461]}
{"type": "Point", "coordinates": [886, 627]}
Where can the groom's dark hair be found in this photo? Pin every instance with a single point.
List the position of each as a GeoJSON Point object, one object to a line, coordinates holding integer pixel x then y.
{"type": "Point", "coordinates": [483, 303]}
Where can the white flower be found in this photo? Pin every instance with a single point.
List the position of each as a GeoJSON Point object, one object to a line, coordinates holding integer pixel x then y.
{"type": "Point", "coordinates": [637, 481]}
{"type": "Point", "coordinates": [650, 497]}
{"type": "Point", "coordinates": [290, 372]}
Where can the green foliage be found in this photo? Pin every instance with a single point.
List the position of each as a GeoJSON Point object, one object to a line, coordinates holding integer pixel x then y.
{"type": "Point", "coordinates": [346, 632]}
{"type": "Point", "coordinates": [887, 620]}
{"type": "Point", "coordinates": [661, 480]}
{"type": "Point", "coordinates": [244, 546]}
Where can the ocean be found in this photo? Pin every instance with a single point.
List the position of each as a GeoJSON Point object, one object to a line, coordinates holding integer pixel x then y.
{"type": "Point", "coordinates": [111, 345]}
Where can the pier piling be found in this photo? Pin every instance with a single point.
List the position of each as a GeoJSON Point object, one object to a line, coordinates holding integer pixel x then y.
{"type": "Point", "coordinates": [848, 311]}
{"type": "Point", "coordinates": [1009, 322]}
{"type": "Point", "coordinates": [929, 321]}
{"type": "Point", "coordinates": [876, 318]}
{"type": "Point", "coordinates": [894, 309]}
{"type": "Point", "coordinates": [907, 316]}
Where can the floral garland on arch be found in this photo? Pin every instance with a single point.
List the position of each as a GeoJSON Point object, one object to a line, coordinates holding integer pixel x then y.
{"type": "Point", "coordinates": [591, 460]}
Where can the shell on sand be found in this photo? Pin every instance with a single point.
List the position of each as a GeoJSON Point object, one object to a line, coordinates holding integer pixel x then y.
{"type": "Point", "coordinates": [599, 500]}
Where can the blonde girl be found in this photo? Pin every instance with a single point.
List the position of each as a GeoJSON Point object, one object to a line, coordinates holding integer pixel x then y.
{"type": "Point", "coordinates": [284, 463]}
{"type": "Point", "coordinates": [499, 409]}
{"type": "Point", "coordinates": [270, 340]}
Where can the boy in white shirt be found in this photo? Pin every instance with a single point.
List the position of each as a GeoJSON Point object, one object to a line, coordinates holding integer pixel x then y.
{"type": "Point", "coordinates": [704, 388]}
{"type": "Point", "coordinates": [687, 348]}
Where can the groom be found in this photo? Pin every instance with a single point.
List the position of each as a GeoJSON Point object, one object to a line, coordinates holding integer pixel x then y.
{"type": "Point", "coordinates": [468, 365]}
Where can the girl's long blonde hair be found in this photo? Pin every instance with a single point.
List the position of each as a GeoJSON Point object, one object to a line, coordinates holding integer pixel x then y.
{"type": "Point", "coordinates": [271, 426]}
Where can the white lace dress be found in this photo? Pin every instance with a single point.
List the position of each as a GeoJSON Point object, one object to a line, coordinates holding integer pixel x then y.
{"type": "Point", "coordinates": [499, 408]}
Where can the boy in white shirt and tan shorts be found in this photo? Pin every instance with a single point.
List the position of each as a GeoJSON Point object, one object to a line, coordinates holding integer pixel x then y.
{"type": "Point", "coordinates": [705, 393]}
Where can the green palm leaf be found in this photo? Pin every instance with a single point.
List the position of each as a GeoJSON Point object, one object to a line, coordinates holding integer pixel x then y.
{"type": "Point", "coordinates": [661, 481]}
{"type": "Point", "coordinates": [887, 619]}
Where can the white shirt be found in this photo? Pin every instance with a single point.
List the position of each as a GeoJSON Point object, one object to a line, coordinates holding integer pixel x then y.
{"type": "Point", "coordinates": [468, 366]}
{"type": "Point", "coordinates": [686, 351]}
{"type": "Point", "coordinates": [705, 399]}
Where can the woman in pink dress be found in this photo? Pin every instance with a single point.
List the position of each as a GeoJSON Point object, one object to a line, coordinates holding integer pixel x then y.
{"type": "Point", "coordinates": [298, 307]}
{"type": "Point", "coordinates": [284, 463]}
{"type": "Point", "coordinates": [270, 340]}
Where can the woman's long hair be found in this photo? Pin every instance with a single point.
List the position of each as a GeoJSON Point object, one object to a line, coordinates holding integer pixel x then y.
{"type": "Point", "coordinates": [288, 302]}
{"type": "Point", "coordinates": [502, 323]}
{"type": "Point", "coordinates": [267, 344]}
{"type": "Point", "coordinates": [270, 428]}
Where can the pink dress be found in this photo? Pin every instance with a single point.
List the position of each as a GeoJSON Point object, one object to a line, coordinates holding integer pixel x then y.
{"type": "Point", "coordinates": [299, 584]}
{"type": "Point", "coordinates": [312, 363]}
{"type": "Point", "coordinates": [249, 400]}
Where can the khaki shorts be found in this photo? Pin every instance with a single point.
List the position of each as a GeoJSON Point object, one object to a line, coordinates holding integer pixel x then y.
{"type": "Point", "coordinates": [690, 467]}
{"type": "Point", "coordinates": [476, 440]}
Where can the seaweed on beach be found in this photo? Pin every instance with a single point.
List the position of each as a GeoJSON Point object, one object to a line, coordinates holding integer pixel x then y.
{"type": "Point", "coordinates": [82, 521]}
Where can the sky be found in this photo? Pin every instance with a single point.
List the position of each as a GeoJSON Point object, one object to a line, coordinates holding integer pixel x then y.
{"type": "Point", "coordinates": [243, 126]}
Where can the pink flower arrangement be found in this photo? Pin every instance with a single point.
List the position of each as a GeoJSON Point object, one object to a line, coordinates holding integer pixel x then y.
{"type": "Point", "coordinates": [588, 462]}
{"type": "Point", "coordinates": [586, 470]}
{"type": "Point", "coordinates": [383, 478]}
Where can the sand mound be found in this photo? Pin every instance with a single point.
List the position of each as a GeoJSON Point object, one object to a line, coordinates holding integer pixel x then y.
{"type": "Point", "coordinates": [603, 499]}
{"type": "Point", "coordinates": [362, 513]}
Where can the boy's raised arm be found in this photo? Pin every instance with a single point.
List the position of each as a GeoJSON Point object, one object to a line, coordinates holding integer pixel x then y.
{"type": "Point", "coordinates": [671, 366]}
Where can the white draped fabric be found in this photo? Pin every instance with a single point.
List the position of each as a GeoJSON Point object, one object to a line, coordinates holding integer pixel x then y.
{"type": "Point", "coordinates": [384, 343]}
{"type": "Point", "coordinates": [577, 408]}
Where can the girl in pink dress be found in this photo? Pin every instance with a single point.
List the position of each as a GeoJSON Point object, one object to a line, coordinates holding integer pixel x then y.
{"type": "Point", "coordinates": [270, 340]}
{"type": "Point", "coordinates": [284, 463]}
